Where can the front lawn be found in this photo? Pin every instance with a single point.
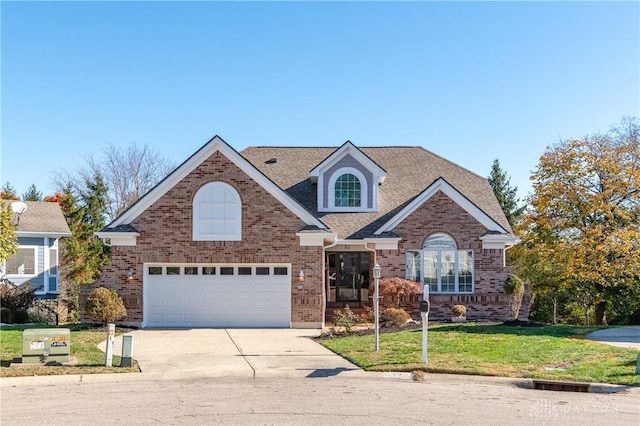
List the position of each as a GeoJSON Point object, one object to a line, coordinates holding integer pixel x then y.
{"type": "Point", "coordinates": [541, 352]}
{"type": "Point", "coordinates": [84, 341]}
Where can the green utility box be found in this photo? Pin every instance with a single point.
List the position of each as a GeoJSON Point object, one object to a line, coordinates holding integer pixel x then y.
{"type": "Point", "coordinates": [43, 345]}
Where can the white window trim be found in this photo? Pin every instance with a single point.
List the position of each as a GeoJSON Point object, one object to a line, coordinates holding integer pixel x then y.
{"type": "Point", "coordinates": [364, 191]}
{"type": "Point", "coordinates": [233, 236]}
{"type": "Point", "coordinates": [35, 264]}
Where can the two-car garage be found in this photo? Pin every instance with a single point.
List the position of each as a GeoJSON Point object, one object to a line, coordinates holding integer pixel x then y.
{"type": "Point", "coordinates": [217, 295]}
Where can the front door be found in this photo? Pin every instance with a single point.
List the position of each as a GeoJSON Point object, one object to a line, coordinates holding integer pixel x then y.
{"type": "Point", "coordinates": [348, 278]}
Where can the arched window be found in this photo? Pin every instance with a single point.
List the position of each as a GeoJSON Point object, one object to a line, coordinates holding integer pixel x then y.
{"type": "Point", "coordinates": [217, 213]}
{"type": "Point", "coordinates": [441, 265]}
{"type": "Point", "coordinates": [347, 191]}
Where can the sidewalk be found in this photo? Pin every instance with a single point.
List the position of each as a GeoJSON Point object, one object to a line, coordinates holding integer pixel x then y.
{"type": "Point", "coordinates": [623, 337]}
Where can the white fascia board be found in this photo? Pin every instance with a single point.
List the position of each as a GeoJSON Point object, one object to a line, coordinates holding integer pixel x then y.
{"type": "Point", "coordinates": [33, 234]}
{"type": "Point", "coordinates": [118, 238]}
{"type": "Point", "coordinates": [215, 144]}
{"type": "Point", "coordinates": [498, 241]}
{"type": "Point", "coordinates": [462, 201]}
{"type": "Point", "coordinates": [349, 148]}
{"type": "Point", "coordinates": [315, 239]}
{"type": "Point", "coordinates": [383, 243]}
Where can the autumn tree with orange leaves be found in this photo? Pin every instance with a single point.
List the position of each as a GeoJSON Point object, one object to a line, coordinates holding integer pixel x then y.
{"type": "Point", "coordinates": [397, 287]}
{"type": "Point", "coordinates": [581, 233]}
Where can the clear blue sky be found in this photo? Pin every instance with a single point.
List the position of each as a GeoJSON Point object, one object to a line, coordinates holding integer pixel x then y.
{"type": "Point", "coordinates": [469, 81]}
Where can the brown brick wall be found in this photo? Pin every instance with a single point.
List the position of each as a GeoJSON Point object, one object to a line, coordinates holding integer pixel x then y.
{"type": "Point", "coordinates": [441, 214]}
{"type": "Point", "coordinates": [268, 236]}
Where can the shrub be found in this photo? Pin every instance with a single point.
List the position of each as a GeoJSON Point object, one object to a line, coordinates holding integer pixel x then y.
{"type": "Point", "coordinates": [396, 317]}
{"type": "Point", "coordinates": [458, 310]}
{"type": "Point", "coordinates": [37, 318]}
{"type": "Point", "coordinates": [20, 316]}
{"type": "Point", "coordinates": [514, 288]}
{"type": "Point", "coordinates": [105, 305]}
{"type": "Point", "coordinates": [16, 298]}
{"type": "Point", "coordinates": [345, 319]}
{"type": "Point", "coordinates": [5, 316]}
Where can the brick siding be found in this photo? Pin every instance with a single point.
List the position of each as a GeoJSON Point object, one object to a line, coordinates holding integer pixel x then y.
{"type": "Point", "coordinates": [268, 236]}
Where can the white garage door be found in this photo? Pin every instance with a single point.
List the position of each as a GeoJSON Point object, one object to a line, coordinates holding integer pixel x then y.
{"type": "Point", "coordinates": [217, 295]}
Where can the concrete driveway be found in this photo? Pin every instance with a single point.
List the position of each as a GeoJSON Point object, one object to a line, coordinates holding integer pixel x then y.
{"type": "Point", "coordinates": [624, 337]}
{"type": "Point", "coordinates": [183, 353]}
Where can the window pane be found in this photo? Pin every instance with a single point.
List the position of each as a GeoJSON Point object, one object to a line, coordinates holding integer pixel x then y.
{"type": "Point", "coordinates": [244, 270]}
{"type": "Point", "coordinates": [465, 270]}
{"type": "Point", "coordinates": [173, 270]}
{"type": "Point", "coordinates": [439, 241]}
{"type": "Point", "coordinates": [191, 270]}
{"type": "Point", "coordinates": [155, 270]}
{"type": "Point", "coordinates": [280, 271]}
{"type": "Point", "coordinates": [23, 262]}
{"type": "Point", "coordinates": [431, 269]}
{"type": "Point", "coordinates": [347, 191]}
{"type": "Point", "coordinates": [448, 271]}
{"type": "Point", "coordinates": [226, 270]}
{"type": "Point", "coordinates": [53, 261]}
{"type": "Point", "coordinates": [413, 266]}
{"type": "Point", "coordinates": [208, 270]}
{"type": "Point", "coordinates": [262, 270]}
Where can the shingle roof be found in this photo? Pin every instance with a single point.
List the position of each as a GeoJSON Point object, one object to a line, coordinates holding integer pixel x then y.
{"type": "Point", "coordinates": [410, 170]}
{"type": "Point", "coordinates": [41, 217]}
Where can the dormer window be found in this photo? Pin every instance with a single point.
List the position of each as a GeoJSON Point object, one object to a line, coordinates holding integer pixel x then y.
{"type": "Point", "coordinates": [347, 181]}
{"type": "Point", "coordinates": [347, 191]}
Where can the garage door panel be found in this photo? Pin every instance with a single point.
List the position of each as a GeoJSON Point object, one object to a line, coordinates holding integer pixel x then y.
{"type": "Point", "coordinates": [217, 301]}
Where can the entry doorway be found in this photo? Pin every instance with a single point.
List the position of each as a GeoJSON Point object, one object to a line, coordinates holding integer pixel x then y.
{"type": "Point", "coordinates": [347, 279]}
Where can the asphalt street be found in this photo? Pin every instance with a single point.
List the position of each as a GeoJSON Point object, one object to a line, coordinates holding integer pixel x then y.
{"type": "Point", "coordinates": [373, 400]}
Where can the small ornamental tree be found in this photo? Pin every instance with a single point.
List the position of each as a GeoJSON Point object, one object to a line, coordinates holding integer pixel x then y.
{"type": "Point", "coordinates": [105, 305]}
{"type": "Point", "coordinates": [397, 287]}
{"type": "Point", "coordinates": [16, 298]}
{"type": "Point", "coordinates": [514, 287]}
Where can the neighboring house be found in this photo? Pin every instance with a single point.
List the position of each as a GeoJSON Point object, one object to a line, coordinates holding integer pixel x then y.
{"type": "Point", "coordinates": [276, 236]}
{"type": "Point", "coordinates": [38, 228]}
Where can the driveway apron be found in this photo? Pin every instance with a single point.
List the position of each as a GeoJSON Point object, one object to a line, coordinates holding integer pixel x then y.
{"type": "Point", "coordinates": [190, 353]}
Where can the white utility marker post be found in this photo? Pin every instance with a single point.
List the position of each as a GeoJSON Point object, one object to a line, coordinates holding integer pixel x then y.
{"type": "Point", "coordinates": [111, 339]}
{"type": "Point", "coordinates": [376, 305]}
{"type": "Point", "coordinates": [424, 313]}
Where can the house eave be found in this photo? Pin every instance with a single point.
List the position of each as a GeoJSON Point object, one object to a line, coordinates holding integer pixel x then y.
{"type": "Point", "coordinates": [118, 238]}
{"type": "Point", "coordinates": [36, 234]}
{"type": "Point", "coordinates": [498, 241]}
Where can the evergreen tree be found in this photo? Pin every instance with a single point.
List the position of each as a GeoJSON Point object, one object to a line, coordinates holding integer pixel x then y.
{"type": "Point", "coordinates": [8, 192]}
{"type": "Point", "coordinates": [506, 195]}
{"type": "Point", "coordinates": [83, 254]}
{"type": "Point", "coordinates": [32, 194]}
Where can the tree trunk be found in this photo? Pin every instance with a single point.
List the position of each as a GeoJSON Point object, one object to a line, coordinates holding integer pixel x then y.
{"type": "Point", "coordinates": [600, 313]}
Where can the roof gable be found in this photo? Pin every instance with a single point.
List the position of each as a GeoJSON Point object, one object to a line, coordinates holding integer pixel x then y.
{"type": "Point", "coordinates": [455, 195]}
{"type": "Point", "coordinates": [214, 145]}
{"type": "Point", "coordinates": [346, 149]}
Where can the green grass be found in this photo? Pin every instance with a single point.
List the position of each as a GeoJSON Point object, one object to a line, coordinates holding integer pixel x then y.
{"type": "Point", "coordinates": [84, 341]}
{"type": "Point", "coordinates": [545, 352]}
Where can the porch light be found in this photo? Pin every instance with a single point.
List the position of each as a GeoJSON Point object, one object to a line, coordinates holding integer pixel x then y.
{"type": "Point", "coordinates": [130, 274]}
{"type": "Point", "coordinates": [301, 275]}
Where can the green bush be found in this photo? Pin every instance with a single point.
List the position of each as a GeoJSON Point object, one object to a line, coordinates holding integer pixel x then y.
{"type": "Point", "coordinates": [20, 316]}
{"type": "Point", "coordinates": [5, 316]}
{"type": "Point", "coordinates": [396, 317]}
{"type": "Point", "coordinates": [514, 288]}
{"type": "Point", "coordinates": [37, 318]}
{"type": "Point", "coordinates": [105, 305]}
